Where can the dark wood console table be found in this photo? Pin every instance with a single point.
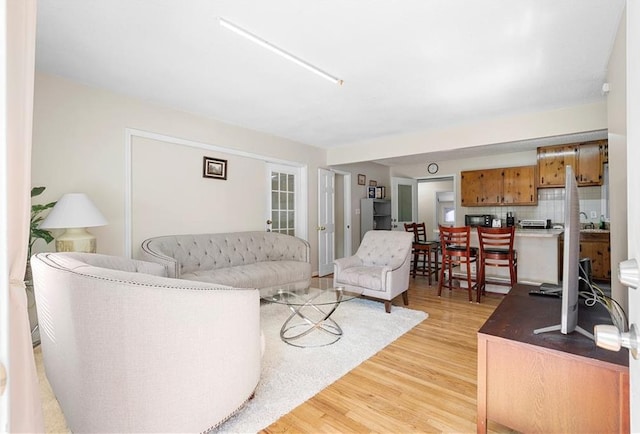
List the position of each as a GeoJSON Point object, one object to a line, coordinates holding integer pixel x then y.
{"type": "Point", "coordinates": [549, 382]}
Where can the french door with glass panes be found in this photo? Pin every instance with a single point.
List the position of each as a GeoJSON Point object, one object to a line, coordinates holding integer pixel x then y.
{"type": "Point", "coordinates": [284, 184]}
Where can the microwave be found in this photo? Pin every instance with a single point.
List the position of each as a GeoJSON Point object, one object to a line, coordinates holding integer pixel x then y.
{"type": "Point", "coordinates": [475, 220]}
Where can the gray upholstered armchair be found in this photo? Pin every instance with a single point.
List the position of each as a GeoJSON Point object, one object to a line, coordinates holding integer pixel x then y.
{"type": "Point", "coordinates": [380, 268]}
{"type": "Point", "coordinates": [126, 349]}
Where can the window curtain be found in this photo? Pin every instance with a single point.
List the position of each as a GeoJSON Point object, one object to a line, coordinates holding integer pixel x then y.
{"type": "Point", "coordinates": [25, 407]}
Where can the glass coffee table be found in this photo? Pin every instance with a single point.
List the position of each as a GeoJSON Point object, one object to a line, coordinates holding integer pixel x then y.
{"type": "Point", "coordinates": [310, 323]}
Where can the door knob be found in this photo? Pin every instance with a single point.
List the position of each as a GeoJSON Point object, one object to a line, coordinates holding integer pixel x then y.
{"type": "Point", "coordinates": [610, 338]}
{"type": "Point", "coordinates": [321, 228]}
{"type": "Point", "coordinates": [269, 222]}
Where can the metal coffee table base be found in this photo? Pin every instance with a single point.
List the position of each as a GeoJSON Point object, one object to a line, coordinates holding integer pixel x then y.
{"type": "Point", "coordinates": [295, 332]}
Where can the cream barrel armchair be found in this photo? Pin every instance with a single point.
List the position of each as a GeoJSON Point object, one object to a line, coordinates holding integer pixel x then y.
{"type": "Point", "coordinates": [128, 350]}
{"type": "Point", "coordinates": [380, 268]}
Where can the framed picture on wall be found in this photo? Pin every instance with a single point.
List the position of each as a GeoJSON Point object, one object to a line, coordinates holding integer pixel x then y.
{"type": "Point", "coordinates": [373, 183]}
{"type": "Point", "coordinates": [214, 168]}
{"type": "Point", "coordinates": [380, 192]}
{"type": "Point", "coordinates": [362, 179]}
{"type": "Point", "coordinates": [371, 192]}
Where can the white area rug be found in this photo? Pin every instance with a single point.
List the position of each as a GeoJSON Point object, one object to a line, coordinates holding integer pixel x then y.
{"type": "Point", "coordinates": [292, 375]}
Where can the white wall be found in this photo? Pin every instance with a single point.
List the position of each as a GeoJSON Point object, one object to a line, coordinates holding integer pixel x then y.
{"type": "Point", "coordinates": [170, 195]}
{"type": "Point", "coordinates": [79, 145]}
{"type": "Point", "coordinates": [517, 127]}
{"type": "Point", "coordinates": [617, 119]}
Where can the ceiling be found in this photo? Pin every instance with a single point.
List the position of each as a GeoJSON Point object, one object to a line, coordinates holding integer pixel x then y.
{"type": "Point", "coordinates": [407, 66]}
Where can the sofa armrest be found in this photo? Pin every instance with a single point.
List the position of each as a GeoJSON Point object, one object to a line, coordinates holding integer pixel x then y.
{"type": "Point", "coordinates": [344, 263]}
{"type": "Point", "coordinates": [153, 255]}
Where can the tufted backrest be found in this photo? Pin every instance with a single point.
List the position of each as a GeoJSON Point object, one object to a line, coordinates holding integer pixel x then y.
{"type": "Point", "coordinates": [385, 248]}
{"type": "Point", "coordinates": [213, 251]}
{"type": "Point", "coordinates": [84, 262]}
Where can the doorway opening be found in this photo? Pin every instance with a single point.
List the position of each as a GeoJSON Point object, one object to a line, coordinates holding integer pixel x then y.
{"type": "Point", "coordinates": [436, 202]}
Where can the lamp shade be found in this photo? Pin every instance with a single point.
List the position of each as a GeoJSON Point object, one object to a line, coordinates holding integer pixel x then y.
{"type": "Point", "coordinates": [74, 210]}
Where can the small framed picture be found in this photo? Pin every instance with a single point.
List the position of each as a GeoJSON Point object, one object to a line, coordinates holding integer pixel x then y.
{"type": "Point", "coordinates": [380, 192]}
{"type": "Point", "coordinates": [373, 183]}
{"type": "Point", "coordinates": [362, 179]}
{"type": "Point", "coordinates": [371, 192]}
{"type": "Point", "coordinates": [214, 168]}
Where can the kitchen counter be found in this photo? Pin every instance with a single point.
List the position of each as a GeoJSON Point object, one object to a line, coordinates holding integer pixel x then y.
{"type": "Point", "coordinates": [539, 232]}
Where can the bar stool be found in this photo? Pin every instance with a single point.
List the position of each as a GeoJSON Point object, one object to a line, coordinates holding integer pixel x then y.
{"type": "Point", "coordinates": [421, 251]}
{"type": "Point", "coordinates": [496, 250]}
{"type": "Point", "coordinates": [427, 252]}
{"type": "Point", "coordinates": [411, 227]}
{"type": "Point", "coordinates": [456, 251]}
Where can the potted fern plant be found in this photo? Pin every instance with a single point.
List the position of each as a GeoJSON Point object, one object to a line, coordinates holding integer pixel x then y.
{"type": "Point", "coordinates": [35, 234]}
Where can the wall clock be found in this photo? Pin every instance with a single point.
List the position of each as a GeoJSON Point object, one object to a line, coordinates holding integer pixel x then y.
{"type": "Point", "coordinates": [432, 168]}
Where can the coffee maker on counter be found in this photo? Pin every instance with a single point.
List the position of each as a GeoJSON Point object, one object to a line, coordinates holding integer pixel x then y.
{"type": "Point", "coordinates": [511, 220]}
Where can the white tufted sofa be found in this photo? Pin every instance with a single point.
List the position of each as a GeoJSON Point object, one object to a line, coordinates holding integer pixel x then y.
{"type": "Point", "coordinates": [238, 259]}
{"type": "Point", "coordinates": [380, 268]}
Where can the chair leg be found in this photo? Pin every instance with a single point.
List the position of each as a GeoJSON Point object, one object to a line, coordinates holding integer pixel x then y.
{"type": "Point", "coordinates": [441, 282]}
{"type": "Point", "coordinates": [483, 282]}
{"type": "Point", "coordinates": [435, 263]}
{"type": "Point", "coordinates": [387, 306]}
{"type": "Point", "coordinates": [405, 298]}
{"type": "Point", "coordinates": [414, 265]}
{"type": "Point", "coordinates": [480, 279]}
{"type": "Point", "coordinates": [469, 287]}
{"type": "Point", "coordinates": [427, 264]}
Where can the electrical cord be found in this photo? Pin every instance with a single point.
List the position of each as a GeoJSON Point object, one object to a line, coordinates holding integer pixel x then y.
{"type": "Point", "coordinates": [597, 295]}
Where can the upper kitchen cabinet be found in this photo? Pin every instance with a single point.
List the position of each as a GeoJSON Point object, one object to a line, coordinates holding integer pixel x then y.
{"type": "Point", "coordinates": [504, 186]}
{"type": "Point", "coordinates": [551, 164]}
{"type": "Point", "coordinates": [586, 158]}
{"type": "Point", "coordinates": [519, 186]}
{"type": "Point", "coordinates": [481, 187]}
{"type": "Point", "coordinates": [590, 156]}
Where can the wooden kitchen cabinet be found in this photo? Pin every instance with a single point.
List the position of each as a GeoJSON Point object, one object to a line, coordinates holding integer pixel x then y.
{"type": "Point", "coordinates": [596, 245]}
{"type": "Point", "coordinates": [519, 186]}
{"type": "Point", "coordinates": [471, 187]}
{"type": "Point", "coordinates": [481, 187]}
{"type": "Point", "coordinates": [590, 156]}
{"type": "Point", "coordinates": [503, 186]}
{"type": "Point", "coordinates": [551, 164]}
{"type": "Point", "coordinates": [586, 159]}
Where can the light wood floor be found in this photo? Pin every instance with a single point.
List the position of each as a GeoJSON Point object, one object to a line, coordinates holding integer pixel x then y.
{"type": "Point", "coordinates": [423, 382]}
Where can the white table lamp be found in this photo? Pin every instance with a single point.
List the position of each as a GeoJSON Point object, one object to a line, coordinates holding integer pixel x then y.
{"type": "Point", "coordinates": [74, 212]}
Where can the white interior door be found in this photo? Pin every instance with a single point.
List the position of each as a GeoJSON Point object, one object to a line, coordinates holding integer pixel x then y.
{"type": "Point", "coordinates": [286, 201]}
{"type": "Point", "coordinates": [633, 186]}
{"type": "Point", "coordinates": [4, 230]}
{"type": "Point", "coordinates": [326, 221]}
{"type": "Point", "coordinates": [404, 202]}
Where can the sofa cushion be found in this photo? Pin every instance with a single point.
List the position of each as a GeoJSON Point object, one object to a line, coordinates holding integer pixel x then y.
{"type": "Point", "coordinates": [259, 275]}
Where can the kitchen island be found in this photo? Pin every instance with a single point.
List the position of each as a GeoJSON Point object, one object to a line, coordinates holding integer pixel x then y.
{"type": "Point", "coordinates": [537, 258]}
